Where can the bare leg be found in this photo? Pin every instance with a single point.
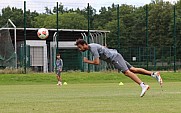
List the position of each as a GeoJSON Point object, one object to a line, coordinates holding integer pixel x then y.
{"type": "Point", "coordinates": [138, 81]}
{"type": "Point", "coordinates": [133, 76]}
{"type": "Point", "coordinates": [59, 78]}
{"type": "Point", "coordinates": [140, 71]}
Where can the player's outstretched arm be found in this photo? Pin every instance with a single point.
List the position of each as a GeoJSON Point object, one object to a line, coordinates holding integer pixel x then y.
{"type": "Point", "coordinates": [95, 61]}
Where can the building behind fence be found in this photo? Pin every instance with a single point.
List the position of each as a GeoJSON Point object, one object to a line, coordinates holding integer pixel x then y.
{"type": "Point", "coordinates": [153, 42]}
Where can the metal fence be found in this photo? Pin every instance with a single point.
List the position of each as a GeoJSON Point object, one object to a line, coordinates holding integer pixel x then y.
{"type": "Point", "coordinates": [152, 58]}
{"type": "Point", "coordinates": [144, 36]}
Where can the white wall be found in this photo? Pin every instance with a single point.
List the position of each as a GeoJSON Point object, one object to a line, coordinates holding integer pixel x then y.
{"type": "Point", "coordinates": [38, 53]}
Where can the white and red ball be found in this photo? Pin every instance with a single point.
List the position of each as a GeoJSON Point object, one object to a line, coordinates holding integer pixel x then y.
{"type": "Point", "coordinates": [43, 33]}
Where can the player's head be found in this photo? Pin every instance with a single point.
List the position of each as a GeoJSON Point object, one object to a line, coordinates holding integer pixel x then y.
{"type": "Point", "coordinates": [82, 45]}
{"type": "Point", "coordinates": [58, 55]}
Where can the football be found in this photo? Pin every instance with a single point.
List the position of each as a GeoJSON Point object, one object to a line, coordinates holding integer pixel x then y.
{"type": "Point", "coordinates": [43, 33]}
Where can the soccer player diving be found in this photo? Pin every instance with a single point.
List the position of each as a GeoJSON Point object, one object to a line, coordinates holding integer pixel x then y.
{"type": "Point", "coordinates": [100, 52]}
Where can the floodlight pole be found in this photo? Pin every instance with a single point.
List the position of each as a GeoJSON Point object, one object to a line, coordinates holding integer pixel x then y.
{"type": "Point", "coordinates": [15, 46]}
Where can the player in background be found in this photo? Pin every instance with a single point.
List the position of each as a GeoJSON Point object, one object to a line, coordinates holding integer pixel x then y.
{"type": "Point", "coordinates": [100, 52]}
{"type": "Point", "coordinates": [58, 69]}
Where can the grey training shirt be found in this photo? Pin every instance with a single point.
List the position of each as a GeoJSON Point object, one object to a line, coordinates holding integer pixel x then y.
{"type": "Point", "coordinates": [59, 64]}
{"type": "Point", "coordinates": [99, 51]}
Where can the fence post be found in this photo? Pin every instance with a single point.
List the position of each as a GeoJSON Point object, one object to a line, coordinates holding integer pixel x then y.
{"type": "Point", "coordinates": [118, 26]}
{"type": "Point", "coordinates": [174, 40]}
{"type": "Point", "coordinates": [139, 56]}
{"type": "Point", "coordinates": [25, 37]}
{"type": "Point", "coordinates": [146, 36]}
{"type": "Point", "coordinates": [154, 58]}
{"type": "Point", "coordinates": [57, 29]}
{"type": "Point", "coordinates": [88, 38]}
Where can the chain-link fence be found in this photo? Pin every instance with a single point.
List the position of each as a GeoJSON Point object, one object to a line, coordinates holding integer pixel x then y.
{"type": "Point", "coordinates": [152, 58]}
{"type": "Point", "coordinates": [147, 35]}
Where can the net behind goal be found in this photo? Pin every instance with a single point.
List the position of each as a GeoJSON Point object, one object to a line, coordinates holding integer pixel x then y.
{"type": "Point", "coordinates": [7, 54]}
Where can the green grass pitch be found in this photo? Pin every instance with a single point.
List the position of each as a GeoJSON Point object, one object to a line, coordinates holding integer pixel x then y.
{"type": "Point", "coordinates": [88, 93]}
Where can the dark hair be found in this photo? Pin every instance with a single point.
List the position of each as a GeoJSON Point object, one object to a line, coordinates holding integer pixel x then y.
{"type": "Point", "coordinates": [81, 42]}
{"type": "Point", "coordinates": [58, 54]}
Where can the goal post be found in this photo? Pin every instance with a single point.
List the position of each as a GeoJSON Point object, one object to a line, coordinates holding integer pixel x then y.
{"type": "Point", "coordinates": [15, 45]}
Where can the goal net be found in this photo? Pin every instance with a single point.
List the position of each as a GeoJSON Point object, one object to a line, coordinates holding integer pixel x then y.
{"type": "Point", "coordinates": [7, 54]}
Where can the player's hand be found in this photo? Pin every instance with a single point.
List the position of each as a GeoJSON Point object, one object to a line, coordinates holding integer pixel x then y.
{"type": "Point", "coordinates": [85, 59]}
{"type": "Point", "coordinates": [60, 70]}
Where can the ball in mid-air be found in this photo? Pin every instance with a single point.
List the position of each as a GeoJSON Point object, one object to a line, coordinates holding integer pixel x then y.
{"type": "Point", "coordinates": [43, 33]}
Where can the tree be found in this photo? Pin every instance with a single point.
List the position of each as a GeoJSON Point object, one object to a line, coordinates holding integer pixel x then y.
{"type": "Point", "coordinates": [17, 16]}
{"type": "Point", "coordinates": [178, 28]}
{"type": "Point", "coordinates": [48, 11]}
{"type": "Point", "coordinates": [39, 21]}
{"type": "Point", "coordinates": [66, 21]}
{"type": "Point", "coordinates": [60, 8]}
{"type": "Point", "coordinates": [138, 28]}
{"type": "Point", "coordinates": [160, 16]}
{"type": "Point", "coordinates": [112, 38]}
{"type": "Point", "coordinates": [106, 15]}
{"type": "Point", "coordinates": [73, 21]}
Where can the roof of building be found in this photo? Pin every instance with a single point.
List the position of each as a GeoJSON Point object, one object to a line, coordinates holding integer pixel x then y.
{"type": "Point", "coordinates": [64, 34]}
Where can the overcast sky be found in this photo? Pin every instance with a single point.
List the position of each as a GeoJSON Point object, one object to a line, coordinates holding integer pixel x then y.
{"type": "Point", "coordinates": [39, 5]}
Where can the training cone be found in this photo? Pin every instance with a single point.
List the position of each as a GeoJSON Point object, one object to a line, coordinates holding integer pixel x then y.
{"type": "Point", "coordinates": [120, 84]}
{"type": "Point", "coordinates": [65, 83]}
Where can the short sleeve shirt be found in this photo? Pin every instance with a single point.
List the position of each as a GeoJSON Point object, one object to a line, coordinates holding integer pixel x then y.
{"type": "Point", "coordinates": [99, 51]}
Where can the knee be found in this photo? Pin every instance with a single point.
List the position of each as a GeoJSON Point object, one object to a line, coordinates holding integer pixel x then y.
{"type": "Point", "coordinates": [126, 72]}
{"type": "Point", "coordinates": [134, 70]}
